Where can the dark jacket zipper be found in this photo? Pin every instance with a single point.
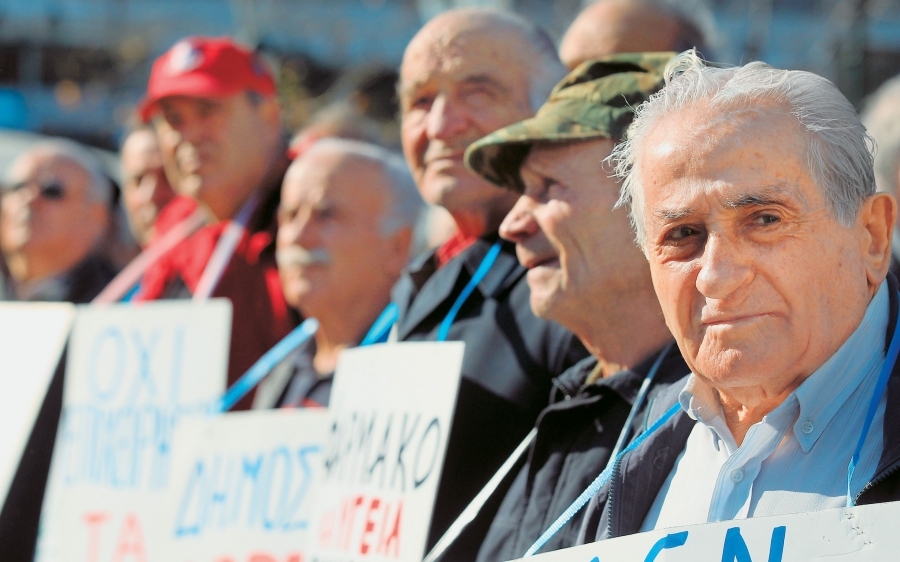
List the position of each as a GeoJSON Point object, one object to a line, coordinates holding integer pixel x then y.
{"type": "Point", "coordinates": [872, 483]}
{"type": "Point", "coordinates": [609, 499]}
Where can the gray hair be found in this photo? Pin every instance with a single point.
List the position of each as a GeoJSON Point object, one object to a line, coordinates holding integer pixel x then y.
{"type": "Point", "coordinates": [405, 205]}
{"type": "Point", "coordinates": [100, 186]}
{"type": "Point", "coordinates": [881, 116]}
{"type": "Point", "coordinates": [838, 150]}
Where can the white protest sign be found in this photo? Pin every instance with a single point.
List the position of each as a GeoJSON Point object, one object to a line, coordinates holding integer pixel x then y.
{"type": "Point", "coordinates": [391, 409]}
{"type": "Point", "coordinates": [242, 485]}
{"type": "Point", "coordinates": [133, 374]}
{"type": "Point", "coordinates": [32, 338]}
{"type": "Point", "coordinates": [860, 534]}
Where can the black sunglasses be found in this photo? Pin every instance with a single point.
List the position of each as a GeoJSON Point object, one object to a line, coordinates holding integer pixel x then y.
{"type": "Point", "coordinates": [51, 190]}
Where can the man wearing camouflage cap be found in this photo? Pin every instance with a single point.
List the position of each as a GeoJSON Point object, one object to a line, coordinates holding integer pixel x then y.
{"type": "Point", "coordinates": [586, 273]}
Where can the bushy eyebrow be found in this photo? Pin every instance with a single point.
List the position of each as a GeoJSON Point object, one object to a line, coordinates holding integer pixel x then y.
{"type": "Point", "coordinates": [771, 195]}
{"type": "Point", "coordinates": [670, 215]}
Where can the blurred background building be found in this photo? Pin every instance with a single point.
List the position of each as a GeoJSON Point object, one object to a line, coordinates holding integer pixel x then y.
{"type": "Point", "coordinates": [77, 67]}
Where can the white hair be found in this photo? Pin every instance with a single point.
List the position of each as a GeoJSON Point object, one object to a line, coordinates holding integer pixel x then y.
{"type": "Point", "coordinates": [100, 186]}
{"type": "Point", "coordinates": [881, 116]}
{"type": "Point", "coordinates": [838, 150]}
{"type": "Point", "coordinates": [405, 205]}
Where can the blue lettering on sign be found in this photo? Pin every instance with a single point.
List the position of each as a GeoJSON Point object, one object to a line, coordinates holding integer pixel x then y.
{"type": "Point", "coordinates": [120, 436]}
{"type": "Point", "coordinates": [673, 540]}
{"type": "Point", "coordinates": [735, 549]}
{"type": "Point", "coordinates": [277, 483]}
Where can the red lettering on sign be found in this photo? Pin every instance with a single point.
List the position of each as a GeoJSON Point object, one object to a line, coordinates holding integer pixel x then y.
{"type": "Point", "coordinates": [94, 521]}
{"type": "Point", "coordinates": [262, 557]}
{"type": "Point", "coordinates": [393, 540]}
{"type": "Point", "coordinates": [370, 526]}
{"type": "Point", "coordinates": [131, 541]}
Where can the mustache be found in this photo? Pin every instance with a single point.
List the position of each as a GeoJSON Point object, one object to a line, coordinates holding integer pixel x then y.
{"type": "Point", "coordinates": [297, 256]}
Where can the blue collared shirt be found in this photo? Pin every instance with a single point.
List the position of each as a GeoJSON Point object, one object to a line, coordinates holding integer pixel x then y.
{"type": "Point", "coordinates": [795, 459]}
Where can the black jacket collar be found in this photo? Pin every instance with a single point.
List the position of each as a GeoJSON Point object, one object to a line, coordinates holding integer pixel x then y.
{"type": "Point", "coordinates": [426, 288]}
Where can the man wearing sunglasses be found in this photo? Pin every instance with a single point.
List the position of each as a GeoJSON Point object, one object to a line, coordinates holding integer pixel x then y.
{"type": "Point", "coordinates": [54, 211]}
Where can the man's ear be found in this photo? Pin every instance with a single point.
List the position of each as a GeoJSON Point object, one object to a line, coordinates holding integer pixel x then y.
{"type": "Point", "coordinates": [877, 216]}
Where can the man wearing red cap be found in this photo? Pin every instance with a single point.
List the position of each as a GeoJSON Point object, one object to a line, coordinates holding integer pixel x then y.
{"type": "Point", "coordinates": [216, 102]}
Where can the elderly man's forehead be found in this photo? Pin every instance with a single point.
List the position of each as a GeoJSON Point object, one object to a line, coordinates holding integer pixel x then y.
{"type": "Point", "coordinates": [687, 139]}
{"type": "Point", "coordinates": [333, 172]}
{"type": "Point", "coordinates": [453, 46]}
{"type": "Point", "coordinates": [45, 161]}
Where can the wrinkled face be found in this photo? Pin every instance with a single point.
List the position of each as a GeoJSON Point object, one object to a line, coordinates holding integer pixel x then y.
{"type": "Point", "coordinates": [456, 87]}
{"type": "Point", "coordinates": [145, 187]}
{"type": "Point", "coordinates": [757, 281]}
{"type": "Point", "coordinates": [222, 147]}
{"type": "Point", "coordinates": [47, 213]}
{"type": "Point", "coordinates": [331, 250]}
{"type": "Point", "coordinates": [579, 251]}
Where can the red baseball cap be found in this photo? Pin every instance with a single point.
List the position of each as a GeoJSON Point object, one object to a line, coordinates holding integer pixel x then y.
{"type": "Point", "coordinates": [205, 67]}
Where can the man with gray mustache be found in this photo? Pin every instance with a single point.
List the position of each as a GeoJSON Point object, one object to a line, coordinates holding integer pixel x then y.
{"type": "Point", "coordinates": [345, 228]}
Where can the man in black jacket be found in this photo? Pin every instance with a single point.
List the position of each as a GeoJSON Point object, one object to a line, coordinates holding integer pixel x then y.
{"type": "Point", "coordinates": [585, 273]}
{"type": "Point", "coordinates": [465, 74]}
{"type": "Point", "coordinates": [753, 196]}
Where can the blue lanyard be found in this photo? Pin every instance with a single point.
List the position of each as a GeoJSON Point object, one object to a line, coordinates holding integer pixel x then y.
{"type": "Point", "coordinates": [598, 483]}
{"type": "Point", "coordinates": [266, 363]}
{"type": "Point", "coordinates": [889, 361]}
{"type": "Point", "coordinates": [379, 331]}
{"type": "Point", "coordinates": [479, 275]}
{"type": "Point", "coordinates": [639, 401]}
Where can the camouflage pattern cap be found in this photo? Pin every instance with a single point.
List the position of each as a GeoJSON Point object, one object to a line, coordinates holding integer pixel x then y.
{"type": "Point", "coordinates": [595, 100]}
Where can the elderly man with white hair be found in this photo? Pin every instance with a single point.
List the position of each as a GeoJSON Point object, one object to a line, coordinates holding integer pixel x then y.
{"type": "Point", "coordinates": [345, 227]}
{"type": "Point", "coordinates": [753, 196]}
{"type": "Point", "coordinates": [55, 208]}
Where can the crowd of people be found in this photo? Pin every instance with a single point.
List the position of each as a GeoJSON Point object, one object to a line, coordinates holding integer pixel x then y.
{"type": "Point", "coordinates": [643, 244]}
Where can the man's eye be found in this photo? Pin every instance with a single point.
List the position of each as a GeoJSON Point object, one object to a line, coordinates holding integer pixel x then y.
{"type": "Point", "coordinates": [421, 102]}
{"type": "Point", "coordinates": [766, 219]}
{"type": "Point", "coordinates": [681, 233]}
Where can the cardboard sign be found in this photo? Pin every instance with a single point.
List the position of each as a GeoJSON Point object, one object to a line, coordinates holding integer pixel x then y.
{"type": "Point", "coordinates": [133, 374]}
{"type": "Point", "coordinates": [391, 408]}
{"type": "Point", "coordinates": [242, 485]}
{"type": "Point", "coordinates": [864, 534]}
{"type": "Point", "coordinates": [32, 338]}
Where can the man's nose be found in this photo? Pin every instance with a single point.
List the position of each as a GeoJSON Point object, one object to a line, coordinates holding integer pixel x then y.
{"type": "Point", "coordinates": [519, 223]}
{"type": "Point", "coordinates": [303, 231]}
{"type": "Point", "coordinates": [724, 268]}
{"type": "Point", "coordinates": [445, 119]}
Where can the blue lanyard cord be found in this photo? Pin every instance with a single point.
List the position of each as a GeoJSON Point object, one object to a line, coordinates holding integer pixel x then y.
{"type": "Point", "coordinates": [889, 361]}
{"type": "Point", "coordinates": [639, 400]}
{"type": "Point", "coordinates": [479, 275]}
{"type": "Point", "coordinates": [598, 483]}
{"type": "Point", "coordinates": [379, 331]}
{"type": "Point", "coordinates": [266, 363]}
